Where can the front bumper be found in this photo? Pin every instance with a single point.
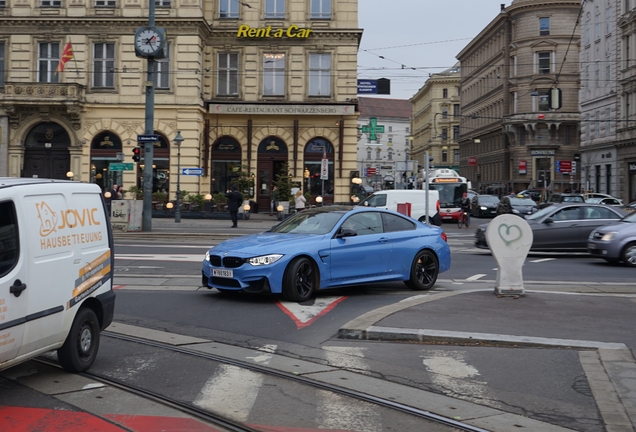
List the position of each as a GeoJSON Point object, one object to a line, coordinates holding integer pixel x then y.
{"type": "Point", "coordinates": [247, 278]}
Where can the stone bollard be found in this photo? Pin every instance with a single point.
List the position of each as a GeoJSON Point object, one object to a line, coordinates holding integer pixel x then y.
{"type": "Point", "coordinates": [509, 238]}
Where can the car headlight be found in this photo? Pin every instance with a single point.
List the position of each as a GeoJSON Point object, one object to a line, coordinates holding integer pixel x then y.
{"type": "Point", "coordinates": [515, 211]}
{"type": "Point", "coordinates": [608, 236]}
{"type": "Point", "coordinates": [207, 256]}
{"type": "Point", "coordinates": [264, 260]}
{"type": "Point", "coordinates": [484, 208]}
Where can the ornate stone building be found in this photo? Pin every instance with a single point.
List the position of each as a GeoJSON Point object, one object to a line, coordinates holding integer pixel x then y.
{"type": "Point", "coordinates": [249, 85]}
{"type": "Point", "coordinates": [436, 119]}
{"type": "Point", "coordinates": [511, 139]}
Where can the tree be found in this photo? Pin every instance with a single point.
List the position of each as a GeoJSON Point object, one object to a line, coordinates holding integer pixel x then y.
{"type": "Point", "coordinates": [244, 182]}
{"type": "Point", "coordinates": [283, 184]}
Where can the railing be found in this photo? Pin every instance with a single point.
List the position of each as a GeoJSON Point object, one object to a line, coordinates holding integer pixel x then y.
{"type": "Point", "coordinates": [35, 92]}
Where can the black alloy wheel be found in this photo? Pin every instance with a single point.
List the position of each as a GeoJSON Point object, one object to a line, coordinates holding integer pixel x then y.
{"type": "Point", "coordinates": [424, 271]}
{"type": "Point", "coordinates": [300, 280]}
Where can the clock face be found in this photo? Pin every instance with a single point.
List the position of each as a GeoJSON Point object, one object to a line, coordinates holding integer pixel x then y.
{"type": "Point", "coordinates": [149, 41]}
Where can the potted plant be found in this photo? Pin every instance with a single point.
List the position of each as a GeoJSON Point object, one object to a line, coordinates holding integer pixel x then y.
{"type": "Point", "coordinates": [283, 187]}
{"type": "Point", "coordinates": [197, 201]}
{"type": "Point", "coordinates": [136, 192]}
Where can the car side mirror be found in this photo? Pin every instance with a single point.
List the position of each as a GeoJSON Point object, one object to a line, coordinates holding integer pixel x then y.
{"type": "Point", "coordinates": [548, 221]}
{"type": "Point", "coordinates": [346, 232]}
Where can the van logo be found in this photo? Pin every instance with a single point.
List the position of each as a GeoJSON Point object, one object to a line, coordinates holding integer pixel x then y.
{"type": "Point", "coordinates": [48, 219]}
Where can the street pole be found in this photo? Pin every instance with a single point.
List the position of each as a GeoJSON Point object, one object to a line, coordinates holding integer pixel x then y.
{"type": "Point", "coordinates": [146, 222]}
{"type": "Point", "coordinates": [178, 140]}
{"type": "Point", "coordinates": [426, 184]}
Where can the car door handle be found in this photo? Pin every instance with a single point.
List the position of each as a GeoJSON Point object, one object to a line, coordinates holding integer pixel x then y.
{"type": "Point", "coordinates": [17, 288]}
{"type": "Point", "coordinates": [383, 240]}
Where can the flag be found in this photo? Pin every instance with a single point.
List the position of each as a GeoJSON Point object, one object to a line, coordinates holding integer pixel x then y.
{"type": "Point", "coordinates": [67, 55]}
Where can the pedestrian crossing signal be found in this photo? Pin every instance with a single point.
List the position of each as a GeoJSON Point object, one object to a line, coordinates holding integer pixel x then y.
{"type": "Point", "coordinates": [136, 154]}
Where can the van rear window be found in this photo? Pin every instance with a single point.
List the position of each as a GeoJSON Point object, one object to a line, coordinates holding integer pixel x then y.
{"type": "Point", "coordinates": [9, 244]}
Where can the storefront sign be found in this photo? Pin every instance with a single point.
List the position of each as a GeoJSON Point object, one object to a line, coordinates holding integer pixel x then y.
{"type": "Point", "coordinates": [282, 109]}
{"type": "Point", "coordinates": [543, 152]}
{"type": "Point", "coordinates": [293, 31]}
{"type": "Point", "coordinates": [472, 161]}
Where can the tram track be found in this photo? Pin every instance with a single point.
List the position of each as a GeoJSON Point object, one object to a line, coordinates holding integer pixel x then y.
{"type": "Point", "coordinates": [245, 365]}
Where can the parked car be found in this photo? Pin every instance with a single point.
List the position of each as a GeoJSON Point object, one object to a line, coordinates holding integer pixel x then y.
{"type": "Point", "coordinates": [631, 207]}
{"type": "Point", "coordinates": [517, 205]}
{"type": "Point", "coordinates": [563, 226]}
{"type": "Point", "coordinates": [605, 201]}
{"type": "Point", "coordinates": [484, 205]}
{"type": "Point", "coordinates": [599, 195]}
{"type": "Point", "coordinates": [558, 197]}
{"type": "Point", "coordinates": [615, 242]}
{"type": "Point", "coordinates": [329, 247]}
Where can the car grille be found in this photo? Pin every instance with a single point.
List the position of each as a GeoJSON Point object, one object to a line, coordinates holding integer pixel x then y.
{"type": "Point", "coordinates": [224, 282]}
{"type": "Point", "coordinates": [228, 262]}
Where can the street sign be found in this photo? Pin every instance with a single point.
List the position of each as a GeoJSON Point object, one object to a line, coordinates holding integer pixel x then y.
{"type": "Point", "coordinates": [324, 169]}
{"type": "Point", "coordinates": [192, 171]}
{"type": "Point", "coordinates": [120, 166]}
{"type": "Point", "coordinates": [148, 138]}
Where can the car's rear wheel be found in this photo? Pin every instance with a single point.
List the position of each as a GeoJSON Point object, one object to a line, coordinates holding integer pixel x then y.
{"type": "Point", "coordinates": [629, 255]}
{"type": "Point", "coordinates": [424, 271]}
{"type": "Point", "coordinates": [300, 279]}
{"type": "Point", "coordinates": [80, 348]}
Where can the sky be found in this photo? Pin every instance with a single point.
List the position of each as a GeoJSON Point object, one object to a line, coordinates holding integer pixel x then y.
{"type": "Point", "coordinates": [422, 34]}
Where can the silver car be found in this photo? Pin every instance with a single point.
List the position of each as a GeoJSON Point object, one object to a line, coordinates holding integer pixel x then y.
{"type": "Point", "coordinates": [616, 242]}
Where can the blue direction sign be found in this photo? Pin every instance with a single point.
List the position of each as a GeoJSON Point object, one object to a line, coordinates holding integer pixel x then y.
{"type": "Point", "coordinates": [148, 138]}
{"type": "Point", "coordinates": [192, 171]}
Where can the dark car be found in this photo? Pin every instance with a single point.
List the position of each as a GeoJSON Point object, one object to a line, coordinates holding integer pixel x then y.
{"type": "Point", "coordinates": [563, 227]}
{"type": "Point", "coordinates": [484, 205]}
{"type": "Point", "coordinates": [616, 242]}
{"type": "Point", "coordinates": [558, 197]}
{"type": "Point", "coordinates": [534, 194]}
{"type": "Point", "coordinates": [517, 205]}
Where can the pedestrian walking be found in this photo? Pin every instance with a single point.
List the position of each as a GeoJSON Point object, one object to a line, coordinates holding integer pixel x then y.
{"type": "Point", "coordinates": [234, 201]}
{"type": "Point", "coordinates": [273, 204]}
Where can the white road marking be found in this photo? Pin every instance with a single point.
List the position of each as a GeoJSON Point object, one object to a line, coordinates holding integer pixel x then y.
{"type": "Point", "coordinates": [161, 257]}
{"type": "Point", "coordinates": [351, 358]}
{"type": "Point", "coordinates": [542, 260]}
{"type": "Point", "coordinates": [336, 412]}
{"type": "Point", "coordinates": [475, 277]}
{"type": "Point", "coordinates": [304, 315]}
{"type": "Point", "coordinates": [232, 391]}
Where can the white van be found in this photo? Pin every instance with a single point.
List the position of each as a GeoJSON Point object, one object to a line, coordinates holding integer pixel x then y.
{"type": "Point", "coordinates": [56, 271]}
{"type": "Point", "coordinates": [389, 200]}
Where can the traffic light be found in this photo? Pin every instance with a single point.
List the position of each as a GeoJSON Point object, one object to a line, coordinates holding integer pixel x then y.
{"type": "Point", "coordinates": [136, 154]}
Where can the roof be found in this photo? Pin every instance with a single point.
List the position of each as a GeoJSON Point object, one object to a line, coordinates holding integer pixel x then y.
{"type": "Point", "coordinates": [380, 107]}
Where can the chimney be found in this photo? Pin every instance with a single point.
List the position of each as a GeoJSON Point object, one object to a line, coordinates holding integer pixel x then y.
{"type": "Point", "coordinates": [503, 7]}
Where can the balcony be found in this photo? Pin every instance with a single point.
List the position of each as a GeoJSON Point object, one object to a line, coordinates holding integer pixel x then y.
{"type": "Point", "coordinates": [23, 96]}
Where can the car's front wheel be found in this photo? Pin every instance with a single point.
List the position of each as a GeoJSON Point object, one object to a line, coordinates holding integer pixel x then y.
{"type": "Point", "coordinates": [629, 255]}
{"type": "Point", "coordinates": [300, 280]}
{"type": "Point", "coordinates": [80, 348]}
{"type": "Point", "coordinates": [424, 271]}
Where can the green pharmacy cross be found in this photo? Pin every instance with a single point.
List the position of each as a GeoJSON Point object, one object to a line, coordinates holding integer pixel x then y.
{"type": "Point", "coordinates": [372, 129]}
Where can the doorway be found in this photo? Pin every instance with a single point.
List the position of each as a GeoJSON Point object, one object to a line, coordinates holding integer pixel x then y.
{"type": "Point", "coordinates": [46, 152]}
{"type": "Point", "coordinates": [272, 155]}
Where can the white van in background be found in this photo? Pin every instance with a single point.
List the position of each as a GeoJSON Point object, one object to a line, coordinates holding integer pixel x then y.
{"type": "Point", "coordinates": [389, 200]}
{"type": "Point", "coordinates": [56, 271]}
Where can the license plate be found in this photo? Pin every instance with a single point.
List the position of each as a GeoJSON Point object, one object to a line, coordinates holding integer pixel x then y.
{"type": "Point", "coordinates": [223, 273]}
{"type": "Point", "coordinates": [591, 246]}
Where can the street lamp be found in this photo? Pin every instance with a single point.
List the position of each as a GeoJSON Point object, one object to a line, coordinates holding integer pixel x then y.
{"type": "Point", "coordinates": [70, 175]}
{"type": "Point", "coordinates": [319, 200]}
{"type": "Point", "coordinates": [178, 140]}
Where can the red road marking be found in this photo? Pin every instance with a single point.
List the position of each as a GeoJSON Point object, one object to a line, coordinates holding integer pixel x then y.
{"type": "Point", "coordinates": [300, 324]}
{"type": "Point", "coordinates": [21, 419]}
{"type": "Point", "coordinates": [116, 287]}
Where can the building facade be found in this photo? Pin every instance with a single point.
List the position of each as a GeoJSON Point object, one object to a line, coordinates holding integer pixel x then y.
{"type": "Point", "coordinates": [598, 97]}
{"type": "Point", "coordinates": [384, 134]}
{"type": "Point", "coordinates": [625, 159]}
{"type": "Point", "coordinates": [251, 87]}
{"type": "Point", "coordinates": [511, 138]}
{"type": "Point", "coordinates": [436, 120]}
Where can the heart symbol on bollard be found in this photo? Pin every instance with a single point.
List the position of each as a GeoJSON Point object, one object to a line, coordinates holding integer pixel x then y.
{"type": "Point", "coordinates": [509, 233]}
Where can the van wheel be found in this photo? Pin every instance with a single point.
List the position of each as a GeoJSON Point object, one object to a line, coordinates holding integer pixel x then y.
{"type": "Point", "coordinates": [424, 271]}
{"type": "Point", "coordinates": [80, 348]}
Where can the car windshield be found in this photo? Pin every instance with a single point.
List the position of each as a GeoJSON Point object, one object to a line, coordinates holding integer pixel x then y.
{"type": "Point", "coordinates": [573, 199]}
{"type": "Point", "coordinates": [308, 222]}
{"type": "Point", "coordinates": [488, 199]}
{"type": "Point", "coordinates": [522, 202]}
{"type": "Point", "coordinates": [541, 213]}
{"type": "Point", "coordinates": [593, 200]}
{"type": "Point", "coordinates": [630, 218]}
